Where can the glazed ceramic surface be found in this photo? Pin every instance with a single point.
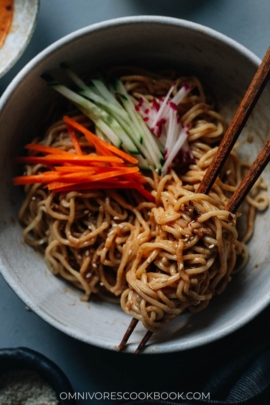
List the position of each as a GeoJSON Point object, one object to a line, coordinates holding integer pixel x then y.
{"type": "Point", "coordinates": [226, 68]}
{"type": "Point", "coordinates": [20, 33]}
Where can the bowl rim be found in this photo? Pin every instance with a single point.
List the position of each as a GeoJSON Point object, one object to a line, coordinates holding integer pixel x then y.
{"type": "Point", "coordinates": [173, 346]}
{"type": "Point", "coordinates": [16, 56]}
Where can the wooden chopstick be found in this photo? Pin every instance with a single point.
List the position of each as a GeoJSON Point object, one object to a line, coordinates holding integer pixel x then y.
{"type": "Point", "coordinates": [242, 114]}
{"type": "Point", "coordinates": [250, 178]}
{"type": "Point", "coordinates": [143, 342]}
{"type": "Point", "coordinates": [128, 333]}
{"type": "Point", "coordinates": [237, 124]}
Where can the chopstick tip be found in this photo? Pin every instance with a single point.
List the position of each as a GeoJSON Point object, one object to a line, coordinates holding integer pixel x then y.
{"type": "Point", "coordinates": [143, 342]}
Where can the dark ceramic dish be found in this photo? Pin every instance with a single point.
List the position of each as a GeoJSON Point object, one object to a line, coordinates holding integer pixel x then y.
{"type": "Point", "coordinates": [26, 359]}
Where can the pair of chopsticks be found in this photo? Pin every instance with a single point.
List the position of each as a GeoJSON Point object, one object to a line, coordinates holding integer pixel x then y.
{"type": "Point", "coordinates": [237, 124]}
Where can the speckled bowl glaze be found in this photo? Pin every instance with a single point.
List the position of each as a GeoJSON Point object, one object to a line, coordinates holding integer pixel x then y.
{"type": "Point", "coordinates": [226, 68]}
{"type": "Point", "coordinates": [21, 31]}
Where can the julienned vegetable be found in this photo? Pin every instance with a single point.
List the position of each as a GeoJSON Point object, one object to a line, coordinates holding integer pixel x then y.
{"type": "Point", "coordinates": [151, 132]}
{"type": "Point", "coordinates": [75, 171]}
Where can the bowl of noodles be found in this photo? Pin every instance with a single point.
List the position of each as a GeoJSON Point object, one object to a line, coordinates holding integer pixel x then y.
{"type": "Point", "coordinates": [108, 133]}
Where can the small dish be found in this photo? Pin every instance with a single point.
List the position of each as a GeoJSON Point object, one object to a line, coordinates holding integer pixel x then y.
{"type": "Point", "coordinates": [19, 34]}
{"type": "Point", "coordinates": [15, 359]}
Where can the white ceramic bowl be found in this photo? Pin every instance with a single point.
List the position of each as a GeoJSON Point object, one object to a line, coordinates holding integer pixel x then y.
{"type": "Point", "coordinates": [223, 65]}
{"type": "Point", "coordinates": [21, 30]}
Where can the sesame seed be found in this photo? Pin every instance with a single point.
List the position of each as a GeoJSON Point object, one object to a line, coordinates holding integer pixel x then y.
{"type": "Point", "coordinates": [88, 275]}
{"type": "Point", "coordinates": [86, 212]}
{"type": "Point", "coordinates": [87, 253]}
{"type": "Point", "coordinates": [94, 265]}
{"type": "Point", "coordinates": [211, 246]}
{"type": "Point", "coordinates": [148, 260]}
{"type": "Point", "coordinates": [33, 198]}
{"type": "Point", "coordinates": [79, 257]}
{"type": "Point", "coordinates": [101, 284]}
{"type": "Point", "coordinates": [181, 266]}
{"type": "Point", "coordinates": [116, 218]}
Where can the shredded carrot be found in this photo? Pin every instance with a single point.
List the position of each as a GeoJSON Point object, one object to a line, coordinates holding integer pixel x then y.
{"type": "Point", "coordinates": [84, 177]}
{"type": "Point", "coordinates": [64, 187]}
{"type": "Point", "coordinates": [144, 192]}
{"type": "Point", "coordinates": [74, 168]}
{"type": "Point", "coordinates": [138, 177]}
{"type": "Point", "coordinates": [75, 171]}
{"type": "Point", "coordinates": [96, 169]}
{"type": "Point", "coordinates": [79, 177]}
{"type": "Point", "coordinates": [103, 186]}
{"type": "Point", "coordinates": [48, 177]}
{"type": "Point", "coordinates": [74, 140]}
{"type": "Point", "coordinates": [37, 178]}
{"type": "Point", "coordinates": [95, 141]}
{"type": "Point", "coordinates": [47, 149]}
{"type": "Point", "coordinates": [54, 159]}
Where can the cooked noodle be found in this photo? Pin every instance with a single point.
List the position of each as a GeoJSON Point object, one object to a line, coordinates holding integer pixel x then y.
{"type": "Point", "coordinates": [162, 257]}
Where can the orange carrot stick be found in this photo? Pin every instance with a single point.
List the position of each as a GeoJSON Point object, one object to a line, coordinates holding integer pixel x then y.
{"type": "Point", "coordinates": [84, 177]}
{"type": "Point", "coordinates": [72, 186]}
{"type": "Point", "coordinates": [139, 177]}
{"type": "Point", "coordinates": [113, 183]}
{"type": "Point", "coordinates": [55, 159]}
{"type": "Point", "coordinates": [144, 192]}
{"type": "Point", "coordinates": [47, 149]}
{"type": "Point", "coordinates": [96, 141]}
{"type": "Point", "coordinates": [74, 140]}
{"type": "Point", "coordinates": [51, 176]}
{"type": "Point", "coordinates": [96, 169]}
{"type": "Point", "coordinates": [36, 178]}
{"type": "Point", "coordinates": [61, 188]}
{"type": "Point", "coordinates": [73, 168]}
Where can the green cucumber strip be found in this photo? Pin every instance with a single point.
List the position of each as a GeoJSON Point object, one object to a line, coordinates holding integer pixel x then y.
{"type": "Point", "coordinates": [113, 138]}
{"type": "Point", "coordinates": [110, 108]}
{"type": "Point", "coordinates": [101, 134]}
{"type": "Point", "coordinates": [101, 118]}
{"type": "Point", "coordinates": [104, 92]}
{"type": "Point", "coordinates": [104, 98]}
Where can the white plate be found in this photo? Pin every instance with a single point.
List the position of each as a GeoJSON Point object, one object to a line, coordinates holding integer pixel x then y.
{"type": "Point", "coordinates": [20, 33]}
